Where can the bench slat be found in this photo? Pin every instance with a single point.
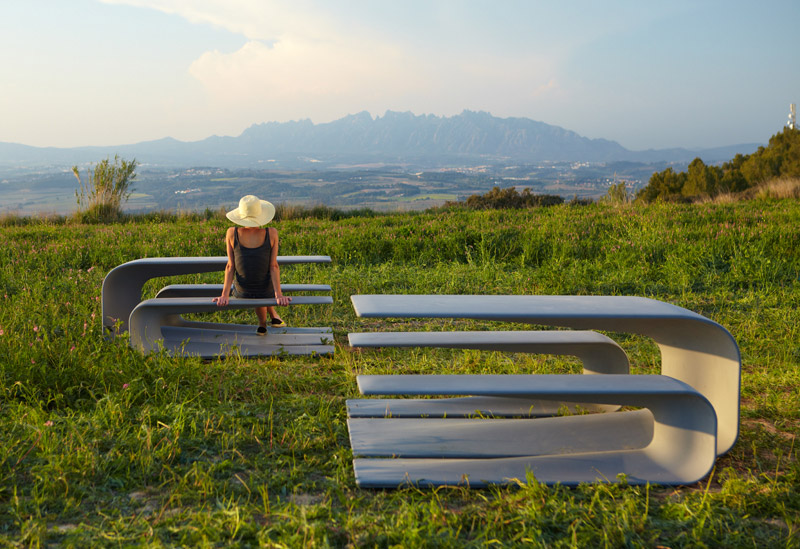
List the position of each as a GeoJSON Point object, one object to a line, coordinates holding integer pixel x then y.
{"type": "Point", "coordinates": [605, 387]}
{"type": "Point", "coordinates": [214, 350]}
{"type": "Point", "coordinates": [569, 470]}
{"type": "Point", "coordinates": [276, 336]}
{"type": "Point", "coordinates": [206, 304]}
{"type": "Point", "coordinates": [598, 353]}
{"type": "Point", "coordinates": [248, 328]}
{"type": "Point", "coordinates": [493, 438]}
{"type": "Point", "coordinates": [473, 339]}
{"type": "Point", "coordinates": [457, 407]}
{"type": "Point", "coordinates": [214, 290]}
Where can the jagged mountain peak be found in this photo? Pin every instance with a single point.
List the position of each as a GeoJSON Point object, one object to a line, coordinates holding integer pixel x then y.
{"type": "Point", "coordinates": [395, 136]}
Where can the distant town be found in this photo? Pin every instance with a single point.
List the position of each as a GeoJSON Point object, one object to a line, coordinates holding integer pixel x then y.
{"type": "Point", "coordinates": [396, 162]}
{"type": "Point", "coordinates": [379, 187]}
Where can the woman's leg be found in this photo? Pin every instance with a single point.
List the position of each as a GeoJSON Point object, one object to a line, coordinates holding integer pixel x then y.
{"type": "Point", "coordinates": [273, 313]}
{"type": "Point", "coordinates": [261, 313]}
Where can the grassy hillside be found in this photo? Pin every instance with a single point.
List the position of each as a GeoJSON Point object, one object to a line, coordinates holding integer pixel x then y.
{"type": "Point", "coordinates": [99, 443]}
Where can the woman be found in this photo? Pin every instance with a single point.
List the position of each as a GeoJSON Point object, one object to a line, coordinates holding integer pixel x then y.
{"type": "Point", "coordinates": [252, 267]}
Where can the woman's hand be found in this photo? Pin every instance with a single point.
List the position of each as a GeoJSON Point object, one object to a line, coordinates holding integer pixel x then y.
{"type": "Point", "coordinates": [283, 300]}
{"type": "Point", "coordinates": [221, 301]}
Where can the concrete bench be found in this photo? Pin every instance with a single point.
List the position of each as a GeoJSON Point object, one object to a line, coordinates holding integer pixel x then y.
{"type": "Point", "coordinates": [157, 322]}
{"type": "Point", "coordinates": [599, 354]}
{"type": "Point", "coordinates": [694, 350]}
{"type": "Point", "coordinates": [214, 290]}
{"type": "Point", "coordinates": [672, 440]}
{"type": "Point", "coordinates": [122, 286]}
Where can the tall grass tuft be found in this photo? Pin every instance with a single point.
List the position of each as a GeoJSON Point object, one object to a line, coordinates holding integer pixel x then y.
{"type": "Point", "coordinates": [785, 187]}
{"type": "Point", "coordinates": [107, 187]}
{"type": "Point", "coordinates": [774, 189]}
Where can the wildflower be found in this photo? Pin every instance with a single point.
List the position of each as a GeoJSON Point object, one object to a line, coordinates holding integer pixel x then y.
{"type": "Point", "coordinates": [48, 423]}
{"type": "Point", "coordinates": [1, 331]}
{"type": "Point", "coordinates": [72, 348]}
{"type": "Point", "coordinates": [35, 328]}
{"type": "Point", "coordinates": [125, 385]}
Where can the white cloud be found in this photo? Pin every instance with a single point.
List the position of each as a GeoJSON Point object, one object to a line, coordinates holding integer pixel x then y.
{"type": "Point", "coordinates": [294, 78]}
{"type": "Point", "coordinates": [292, 68]}
{"type": "Point", "coordinates": [547, 88]}
{"type": "Point", "coordinates": [263, 20]}
{"type": "Point", "coordinates": [299, 63]}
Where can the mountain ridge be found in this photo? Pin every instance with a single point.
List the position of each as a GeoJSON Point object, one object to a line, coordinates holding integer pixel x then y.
{"type": "Point", "coordinates": [395, 137]}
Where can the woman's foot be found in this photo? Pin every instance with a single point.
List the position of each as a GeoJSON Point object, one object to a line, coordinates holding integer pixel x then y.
{"type": "Point", "coordinates": [277, 323]}
{"type": "Point", "coordinates": [261, 330]}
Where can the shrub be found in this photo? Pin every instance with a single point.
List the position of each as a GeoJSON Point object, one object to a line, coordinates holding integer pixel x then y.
{"type": "Point", "coordinates": [509, 198]}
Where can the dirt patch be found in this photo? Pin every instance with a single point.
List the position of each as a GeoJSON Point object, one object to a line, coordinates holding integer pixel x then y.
{"type": "Point", "coordinates": [307, 499]}
{"type": "Point", "coordinates": [770, 427]}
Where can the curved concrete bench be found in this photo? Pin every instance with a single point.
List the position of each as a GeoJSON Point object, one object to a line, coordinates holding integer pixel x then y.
{"type": "Point", "coordinates": [158, 322]}
{"type": "Point", "coordinates": [694, 349]}
{"type": "Point", "coordinates": [214, 290]}
{"type": "Point", "coordinates": [598, 353]}
{"type": "Point", "coordinates": [122, 286]}
{"type": "Point", "coordinates": [672, 441]}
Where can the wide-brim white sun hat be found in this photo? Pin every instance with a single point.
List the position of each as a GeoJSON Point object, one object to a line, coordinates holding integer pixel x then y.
{"type": "Point", "coordinates": [252, 212]}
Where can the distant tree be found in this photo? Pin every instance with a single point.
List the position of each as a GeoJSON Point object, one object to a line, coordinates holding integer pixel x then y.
{"type": "Point", "coordinates": [107, 187]}
{"type": "Point", "coordinates": [735, 163]}
{"type": "Point", "coordinates": [759, 167]}
{"type": "Point", "coordinates": [701, 179]}
{"type": "Point", "coordinates": [732, 182]}
{"type": "Point", "coordinates": [663, 186]}
{"type": "Point", "coordinates": [781, 158]}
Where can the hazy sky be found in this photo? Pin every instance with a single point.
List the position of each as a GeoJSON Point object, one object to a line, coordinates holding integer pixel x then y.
{"type": "Point", "coordinates": [649, 74]}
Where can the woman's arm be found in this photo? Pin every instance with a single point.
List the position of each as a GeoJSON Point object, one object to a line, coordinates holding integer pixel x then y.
{"type": "Point", "coordinates": [226, 287]}
{"type": "Point", "coordinates": [274, 269]}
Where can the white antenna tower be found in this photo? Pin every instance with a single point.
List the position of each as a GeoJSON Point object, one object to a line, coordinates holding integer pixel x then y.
{"type": "Point", "coordinates": [792, 117]}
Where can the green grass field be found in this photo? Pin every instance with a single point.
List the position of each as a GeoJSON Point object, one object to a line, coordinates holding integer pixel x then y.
{"type": "Point", "coordinates": [100, 445]}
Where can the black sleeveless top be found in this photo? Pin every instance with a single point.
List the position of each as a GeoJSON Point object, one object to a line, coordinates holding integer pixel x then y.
{"type": "Point", "coordinates": [251, 278]}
